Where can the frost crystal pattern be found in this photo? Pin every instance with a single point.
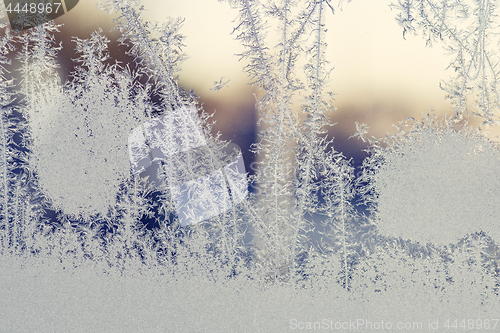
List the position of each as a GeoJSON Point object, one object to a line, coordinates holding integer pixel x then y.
{"type": "Point", "coordinates": [199, 191]}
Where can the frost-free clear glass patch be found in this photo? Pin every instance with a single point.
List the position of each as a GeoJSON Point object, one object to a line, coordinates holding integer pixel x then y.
{"type": "Point", "coordinates": [25, 14]}
{"type": "Point", "coordinates": [203, 183]}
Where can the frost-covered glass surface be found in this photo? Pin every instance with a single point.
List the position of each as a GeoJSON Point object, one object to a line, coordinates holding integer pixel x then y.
{"type": "Point", "coordinates": [121, 211]}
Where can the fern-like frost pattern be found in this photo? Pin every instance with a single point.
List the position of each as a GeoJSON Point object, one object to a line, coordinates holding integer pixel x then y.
{"type": "Point", "coordinates": [116, 197]}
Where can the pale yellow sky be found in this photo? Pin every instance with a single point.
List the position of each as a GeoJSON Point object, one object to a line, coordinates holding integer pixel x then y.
{"type": "Point", "coordinates": [379, 77]}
